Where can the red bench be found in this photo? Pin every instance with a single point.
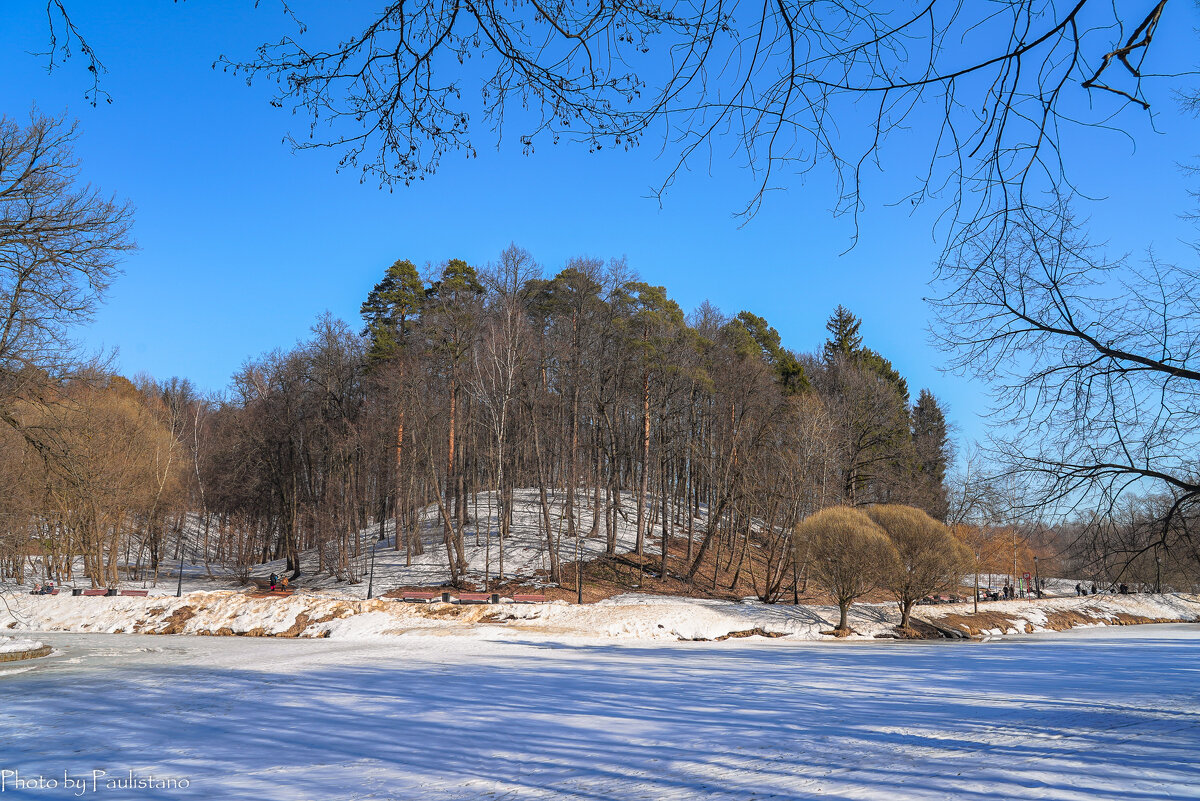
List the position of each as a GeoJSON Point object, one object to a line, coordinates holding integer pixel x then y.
{"type": "Point", "coordinates": [529, 599]}
{"type": "Point", "coordinates": [278, 592]}
{"type": "Point", "coordinates": [100, 591]}
{"type": "Point", "coordinates": [265, 583]}
{"type": "Point", "coordinates": [422, 596]}
{"type": "Point", "coordinates": [137, 593]}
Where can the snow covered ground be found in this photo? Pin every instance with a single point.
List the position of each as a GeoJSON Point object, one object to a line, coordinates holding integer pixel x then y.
{"type": "Point", "coordinates": [1101, 714]}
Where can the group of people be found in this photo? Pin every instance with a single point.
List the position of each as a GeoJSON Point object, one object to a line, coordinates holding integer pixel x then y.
{"type": "Point", "coordinates": [278, 583]}
{"type": "Point", "coordinates": [45, 588]}
{"type": "Point", "coordinates": [1010, 592]}
{"type": "Point", "coordinates": [1123, 589]}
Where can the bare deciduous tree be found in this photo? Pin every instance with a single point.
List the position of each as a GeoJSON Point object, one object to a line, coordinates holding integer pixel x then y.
{"type": "Point", "coordinates": [987, 92]}
{"type": "Point", "coordinates": [61, 241]}
{"type": "Point", "coordinates": [1093, 364]}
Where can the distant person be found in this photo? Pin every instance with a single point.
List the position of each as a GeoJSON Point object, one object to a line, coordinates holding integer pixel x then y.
{"type": "Point", "coordinates": [274, 580]}
{"type": "Point", "coordinates": [1078, 589]}
{"type": "Point", "coordinates": [1093, 588]}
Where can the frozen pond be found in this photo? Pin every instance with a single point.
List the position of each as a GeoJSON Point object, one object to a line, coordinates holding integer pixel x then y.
{"type": "Point", "coordinates": [1103, 713]}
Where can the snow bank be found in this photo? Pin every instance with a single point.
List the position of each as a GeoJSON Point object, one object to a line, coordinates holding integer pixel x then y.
{"type": "Point", "coordinates": [8, 645]}
{"type": "Point", "coordinates": [997, 618]}
{"type": "Point", "coordinates": [13, 650]}
{"type": "Point", "coordinates": [637, 617]}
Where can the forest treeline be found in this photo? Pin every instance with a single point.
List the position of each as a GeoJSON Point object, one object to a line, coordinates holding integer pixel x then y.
{"type": "Point", "coordinates": [589, 386]}
{"type": "Point", "coordinates": [596, 396]}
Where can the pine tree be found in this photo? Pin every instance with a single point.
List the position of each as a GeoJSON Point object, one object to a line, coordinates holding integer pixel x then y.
{"type": "Point", "coordinates": [788, 370]}
{"type": "Point", "coordinates": [390, 309]}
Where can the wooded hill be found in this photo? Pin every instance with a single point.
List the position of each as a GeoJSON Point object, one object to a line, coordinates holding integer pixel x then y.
{"type": "Point", "coordinates": [469, 380]}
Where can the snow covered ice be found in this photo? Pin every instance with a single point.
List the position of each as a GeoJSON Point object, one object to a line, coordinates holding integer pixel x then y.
{"type": "Point", "coordinates": [1096, 714]}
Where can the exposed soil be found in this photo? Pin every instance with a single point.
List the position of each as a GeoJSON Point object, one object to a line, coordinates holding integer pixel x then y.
{"type": "Point", "coordinates": [177, 620]}
{"type": "Point", "coordinates": [718, 577]}
{"type": "Point", "coordinates": [979, 623]}
{"type": "Point", "coordinates": [18, 656]}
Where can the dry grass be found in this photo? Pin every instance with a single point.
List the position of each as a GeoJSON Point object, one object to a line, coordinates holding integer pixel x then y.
{"type": "Point", "coordinates": [978, 623]}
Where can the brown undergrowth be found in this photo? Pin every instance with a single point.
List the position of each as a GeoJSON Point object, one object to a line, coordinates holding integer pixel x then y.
{"type": "Point", "coordinates": [721, 576]}
{"type": "Point", "coordinates": [979, 623]}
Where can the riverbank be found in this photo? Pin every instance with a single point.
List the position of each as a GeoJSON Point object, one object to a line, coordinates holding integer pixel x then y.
{"type": "Point", "coordinates": [17, 650]}
{"type": "Point", "coordinates": [631, 616]}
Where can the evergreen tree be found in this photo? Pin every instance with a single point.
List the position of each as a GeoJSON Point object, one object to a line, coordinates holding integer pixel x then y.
{"type": "Point", "coordinates": [875, 415]}
{"type": "Point", "coordinates": [931, 442]}
{"type": "Point", "coordinates": [844, 339]}
{"type": "Point", "coordinates": [883, 368]}
{"type": "Point", "coordinates": [787, 367]}
{"type": "Point", "coordinates": [390, 309]}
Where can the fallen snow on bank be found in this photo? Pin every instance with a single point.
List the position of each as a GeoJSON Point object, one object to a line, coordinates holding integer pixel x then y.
{"type": "Point", "coordinates": [9, 645]}
{"type": "Point", "coordinates": [638, 617]}
{"type": "Point", "coordinates": [1113, 714]}
{"type": "Point", "coordinates": [997, 618]}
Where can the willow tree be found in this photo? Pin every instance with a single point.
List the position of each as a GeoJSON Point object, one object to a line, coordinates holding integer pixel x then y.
{"type": "Point", "coordinates": [929, 559]}
{"type": "Point", "coordinates": [849, 555]}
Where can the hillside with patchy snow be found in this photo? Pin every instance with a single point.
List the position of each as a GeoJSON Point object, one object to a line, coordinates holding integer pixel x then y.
{"type": "Point", "coordinates": [524, 554]}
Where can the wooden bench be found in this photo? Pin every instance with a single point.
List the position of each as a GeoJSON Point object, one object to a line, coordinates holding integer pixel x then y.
{"type": "Point", "coordinates": [427, 597]}
{"type": "Point", "coordinates": [100, 591]}
{"type": "Point", "coordinates": [135, 593]}
{"type": "Point", "coordinates": [529, 599]}
{"type": "Point", "coordinates": [265, 583]}
{"type": "Point", "coordinates": [474, 597]}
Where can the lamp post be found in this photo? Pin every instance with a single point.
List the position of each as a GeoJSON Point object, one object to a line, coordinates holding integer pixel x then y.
{"type": "Point", "coordinates": [179, 584]}
{"type": "Point", "coordinates": [579, 567]}
{"type": "Point", "coordinates": [375, 545]}
{"type": "Point", "coordinates": [1037, 581]}
{"type": "Point", "coordinates": [371, 580]}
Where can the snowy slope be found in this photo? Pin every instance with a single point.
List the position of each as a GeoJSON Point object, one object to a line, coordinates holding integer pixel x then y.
{"type": "Point", "coordinates": [526, 550]}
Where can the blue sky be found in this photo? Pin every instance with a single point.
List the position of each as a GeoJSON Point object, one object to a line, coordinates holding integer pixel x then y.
{"type": "Point", "coordinates": [244, 243]}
